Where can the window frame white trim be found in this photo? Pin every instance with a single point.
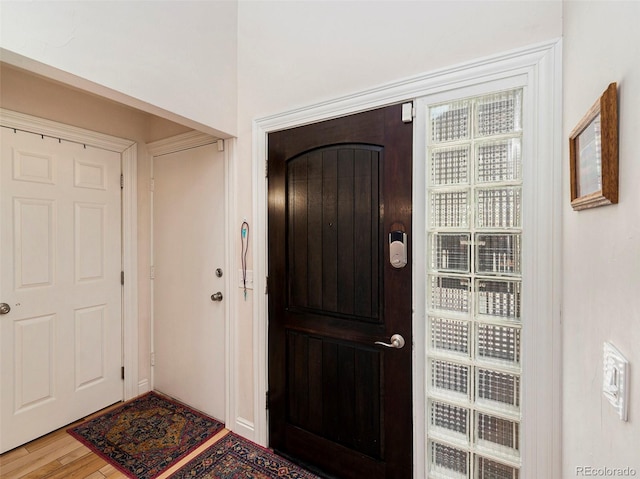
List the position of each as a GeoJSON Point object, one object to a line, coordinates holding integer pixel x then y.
{"type": "Point", "coordinates": [542, 65]}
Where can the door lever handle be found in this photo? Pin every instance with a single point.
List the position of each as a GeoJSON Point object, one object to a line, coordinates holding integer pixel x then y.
{"type": "Point", "coordinates": [397, 342]}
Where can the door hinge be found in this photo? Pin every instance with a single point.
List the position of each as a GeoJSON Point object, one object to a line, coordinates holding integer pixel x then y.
{"type": "Point", "coordinates": [220, 145]}
{"type": "Point", "coordinates": [152, 272]}
{"type": "Point", "coordinates": [122, 277]}
{"type": "Point", "coordinates": [266, 168]}
{"type": "Point", "coordinates": [121, 181]}
{"type": "Point", "coordinates": [266, 405]}
{"type": "Point", "coordinates": [122, 372]}
{"type": "Point", "coordinates": [152, 185]}
{"type": "Point", "coordinates": [266, 285]}
{"type": "Point", "coordinates": [408, 112]}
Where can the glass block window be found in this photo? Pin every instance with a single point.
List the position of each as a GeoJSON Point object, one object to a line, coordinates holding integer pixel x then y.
{"type": "Point", "coordinates": [450, 252]}
{"type": "Point", "coordinates": [450, 165]}
{"type": "Point", "coordinates": [449, 378]}
{"type": "Point", "coordinates": [450, 420]}
{"type": "Point", "coordinates": [498, 160]}
{"type": "Point", "coordinates": [498, 207]}
{"type": "Point", "coordinates": [474, 260]}
{"type": "Point", "coordinates": [450, 293]}
{"type": "Point", "coordinates": [488, 469]}
{"type": "Point", "coordinates": [498, 343]}
{"type": "Point", "coordinates": [447, 461]}
{"type": "Point", "coordinates": [451, 122]}
{"type": "Point", "coordinates": [498, 298]}
{"type": "Point", "coordinates": [450, 336]}
{"type": "Point", "coordinates": [450, 209]}
{"type": "Point", "coordinates": [498, 113]}
{"type": "Point", "coordinates": [497, 390]}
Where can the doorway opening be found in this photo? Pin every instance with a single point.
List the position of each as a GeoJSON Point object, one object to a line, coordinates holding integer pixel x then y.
{"type": "Point", "coordinates": [190, 271]}
{"type": "Point", "coordinates": [536, 69]}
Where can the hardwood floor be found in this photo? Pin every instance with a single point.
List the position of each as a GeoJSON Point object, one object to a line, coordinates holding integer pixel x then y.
{"type": "Point", "coordinates": [59, 456]}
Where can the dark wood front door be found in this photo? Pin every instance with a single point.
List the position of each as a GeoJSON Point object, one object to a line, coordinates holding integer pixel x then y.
{"type": "Point", "coordinates": [337, 400]}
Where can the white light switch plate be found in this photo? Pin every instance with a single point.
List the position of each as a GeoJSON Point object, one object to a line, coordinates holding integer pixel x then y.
{"type": "Point", "coordinates": [615, 379]}
{"type": "Point", "coordinates": [249, 279]}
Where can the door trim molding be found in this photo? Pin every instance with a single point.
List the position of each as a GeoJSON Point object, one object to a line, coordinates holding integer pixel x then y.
{"type": "Point", "coordinates": [184, 141]}
{"type": "Point", "coordinates": [41, 126]}
{"type": "Point", "coordinates": [174, 144]}
{"type": "Point", "coordinates": [542, 62]}
{"type": "Point", "coordinates": [128, 150]}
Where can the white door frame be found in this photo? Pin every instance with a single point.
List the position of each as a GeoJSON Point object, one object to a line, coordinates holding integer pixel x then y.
{"type": "Point", "coordinates": [542, 64]}
{"type": "Point", "coordinates": [128, 151]}
{"type": "Point", "coordinates": [185, 141]}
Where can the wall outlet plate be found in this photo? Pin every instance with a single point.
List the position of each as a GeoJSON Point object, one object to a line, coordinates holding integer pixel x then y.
{"type": "Point", "coordinates": [249, 279]}
{"type": "Point", "coordinates": [615, 379]}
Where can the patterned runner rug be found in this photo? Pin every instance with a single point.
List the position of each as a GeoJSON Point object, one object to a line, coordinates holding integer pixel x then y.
{"type": "Point", "coordinates": [144, 437]}
{"type": "Point", "coordinates": [234, 457]}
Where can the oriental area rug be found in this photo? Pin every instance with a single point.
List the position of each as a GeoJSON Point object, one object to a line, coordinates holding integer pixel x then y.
{"type": "Point", "coordinates": [233, 457]}
{"type": "Point", "coordinates": [146, 436]}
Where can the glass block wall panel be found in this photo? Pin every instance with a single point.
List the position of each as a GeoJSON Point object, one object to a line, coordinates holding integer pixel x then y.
{"type": "Point", "coordinates": [497, 433]}
{"type": "Point", "coordinates": [498, 160]}
{"type": "Point", "coordinates": [450, 165]}
{"type": "Point", "coordinates": [448, 462]}
{"type": "Point", "coordinates": [450, 378]}
{"type": "Point", "coordinates": [450, 209]}
{"type": "Point", "coordinates": [449, 293]}
{"type": "Point", "coordinates": [474, 248]}
{"type": "Point", "coordinates": [498, 207]}
{"type": "Point", "coordinates": [498, 343]}
{"type": "Point", "coordinates": [450, 122]}
{"type": "Point", "coordinates": [451, 421]}
{"type": "Point", "coordinates": [498, 298]}
{"type": "Point", "coordinates": [498, 389]}
{"type": "Point", "coordinates": [499, 113]}
{"type": "Point", "coordinates": [450, 252]}
{"type": "Point", "coordinates": [498, 253]}
{"type": "Point", "coordinates": [449, 335]}
{"type": "Point", "coordinates": [488, 469]}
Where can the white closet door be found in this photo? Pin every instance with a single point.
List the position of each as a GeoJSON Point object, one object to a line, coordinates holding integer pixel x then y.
{"type": "Point", "coordinates": [189, 246]}
{"type": "Point", "coordinates": [60, 232]}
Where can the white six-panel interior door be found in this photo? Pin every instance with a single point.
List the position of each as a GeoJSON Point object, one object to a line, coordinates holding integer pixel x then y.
{"type": "Point", "coordinates": [61, 259]}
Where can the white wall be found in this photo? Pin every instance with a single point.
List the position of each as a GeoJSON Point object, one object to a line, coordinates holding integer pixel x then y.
{"type": "Point", "coordinates": [181, 57]}
{"type": "Point", "coordinates": [177, 57]}
{"type": "Point", "coordinates": [293, 54]}
{"type": "Point", "coordinates": [601, 247]}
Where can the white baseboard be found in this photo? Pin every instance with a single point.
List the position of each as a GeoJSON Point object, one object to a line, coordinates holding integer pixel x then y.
{"type": "Point", "coordinates": [143, 386]}
{"type": "Point", "coordinates": [245, 428]}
